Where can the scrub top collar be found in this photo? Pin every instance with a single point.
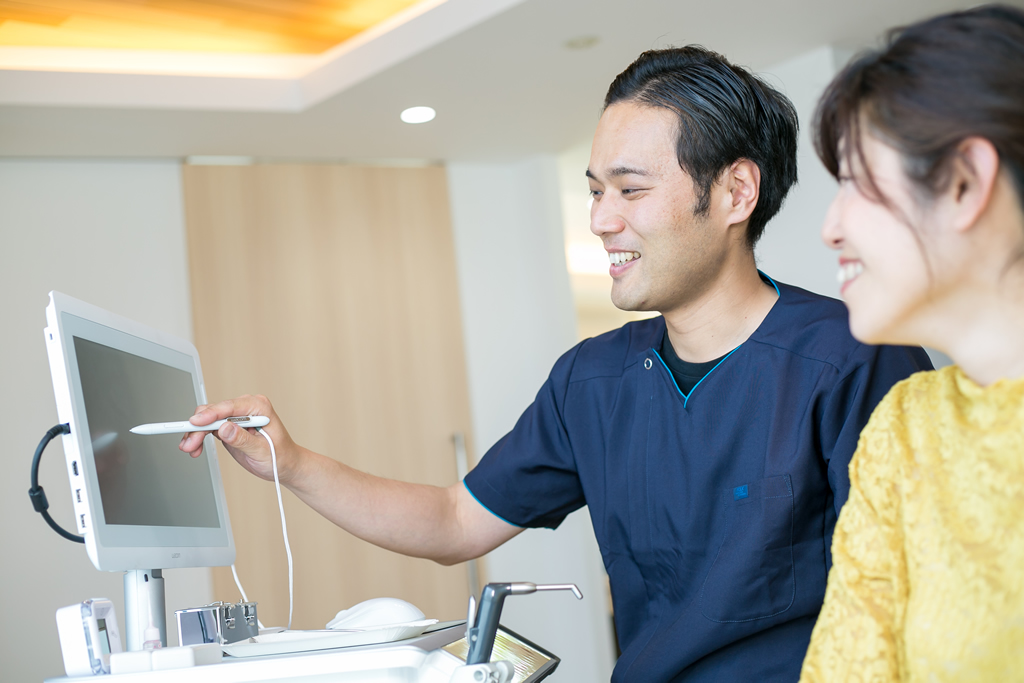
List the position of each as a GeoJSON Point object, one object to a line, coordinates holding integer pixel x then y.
{"type": "Point", "coordinates": [660, 331]}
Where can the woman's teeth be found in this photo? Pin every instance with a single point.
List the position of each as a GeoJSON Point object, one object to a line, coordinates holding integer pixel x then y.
{"type": "Point", "coordinates": [617, 258]}
{"type": "Point", "coordinates": [849, 271]}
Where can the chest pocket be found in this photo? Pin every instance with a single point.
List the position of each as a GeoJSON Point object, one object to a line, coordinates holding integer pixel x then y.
{"type": "Point", "coordinates": [752, 576]}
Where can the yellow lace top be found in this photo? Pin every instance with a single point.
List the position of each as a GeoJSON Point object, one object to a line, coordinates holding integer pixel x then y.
{"type": "Point", "coordinates": [927, 582]}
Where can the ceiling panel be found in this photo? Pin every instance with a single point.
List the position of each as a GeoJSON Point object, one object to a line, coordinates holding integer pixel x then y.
{"type": "Point", "coordinates": [248, 26]}
{"type": "Point", "coordinates": [515, 85]}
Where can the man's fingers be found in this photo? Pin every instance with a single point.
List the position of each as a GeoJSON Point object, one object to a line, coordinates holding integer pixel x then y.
{"type": "Point", "coordinates": [192, 443]}
{"type": "Point", "coordinates": [232, 436]}
{"type": "Point", "coordinates": [239, 441]}
{"type": "Point", "coordinates": [237, 407]}
{"type": "Point", "coordinates": [217, 411]}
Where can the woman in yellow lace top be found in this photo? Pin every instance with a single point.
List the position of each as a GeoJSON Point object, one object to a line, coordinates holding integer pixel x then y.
{"type": "Point", "coordinates": [927, 140]}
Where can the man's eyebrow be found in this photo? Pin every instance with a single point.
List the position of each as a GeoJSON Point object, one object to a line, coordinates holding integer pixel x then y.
{"type": "Point", "coordinates": [619, 171]}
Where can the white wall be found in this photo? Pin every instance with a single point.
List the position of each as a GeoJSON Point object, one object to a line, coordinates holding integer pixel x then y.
{"type": "Point", "coordinates": [518, 318]}
{"type": "Point", "coordinates": [791, 249]}
{"type": "Point", "coordinates": [112, 234]}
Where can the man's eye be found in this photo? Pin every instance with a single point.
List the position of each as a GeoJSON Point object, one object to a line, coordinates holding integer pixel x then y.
{"type": "Point", "coordinates": [627, 191]}
{"type": "Point", "coordinates": [596, 193]}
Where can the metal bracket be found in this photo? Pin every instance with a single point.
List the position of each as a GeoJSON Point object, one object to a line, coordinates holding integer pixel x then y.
{"type": "Point", "coordinates": [482, 623]}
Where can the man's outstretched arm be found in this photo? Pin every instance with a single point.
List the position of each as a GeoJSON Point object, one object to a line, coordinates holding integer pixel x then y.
{"type": "Point", "coordinates": [446, 525]}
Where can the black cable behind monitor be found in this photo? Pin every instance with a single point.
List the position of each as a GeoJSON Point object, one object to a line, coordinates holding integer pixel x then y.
{"type": "Point", "coordinates": [37, 494]}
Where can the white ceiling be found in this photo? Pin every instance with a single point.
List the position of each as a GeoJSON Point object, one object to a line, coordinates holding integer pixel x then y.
{"type": "Point", "coordinates": [504, 87]}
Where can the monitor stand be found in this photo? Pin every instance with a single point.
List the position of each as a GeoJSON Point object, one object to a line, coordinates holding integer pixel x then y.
{"type": "Point", "coordinates": [144, 605]}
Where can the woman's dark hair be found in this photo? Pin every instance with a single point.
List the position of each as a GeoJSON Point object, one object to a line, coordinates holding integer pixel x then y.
{"type": "Point", "coordinates": [725, 114]}
{"type": "Point", "coordinates": [933, 85]}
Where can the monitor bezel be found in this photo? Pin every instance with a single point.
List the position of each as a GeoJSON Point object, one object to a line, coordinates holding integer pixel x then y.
{"type": "Point", "coordinates": [123, 547]}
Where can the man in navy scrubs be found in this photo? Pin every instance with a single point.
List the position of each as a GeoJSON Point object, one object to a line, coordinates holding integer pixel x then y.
{"type": "Point", "coordinates": [710, 444]}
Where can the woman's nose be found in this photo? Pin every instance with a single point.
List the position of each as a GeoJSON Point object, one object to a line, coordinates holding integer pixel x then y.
{"type": "Point", "coordinates": [831, 229]}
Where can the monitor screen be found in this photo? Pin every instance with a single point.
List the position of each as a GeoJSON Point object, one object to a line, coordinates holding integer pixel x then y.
{"type": "Point", "coordinates": [139, 501]}
{"type": "Point", "coordinates": [143, 480]}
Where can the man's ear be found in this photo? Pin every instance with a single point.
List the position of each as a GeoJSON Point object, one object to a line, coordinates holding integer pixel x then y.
{"type": "Point", "coordinates": [973, 175]}
{"type": "Point", "coordinates": [742, 185]}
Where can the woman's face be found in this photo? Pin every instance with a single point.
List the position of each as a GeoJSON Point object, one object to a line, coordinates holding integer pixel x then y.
{"type": "Point", "coordinates": [883, 274]}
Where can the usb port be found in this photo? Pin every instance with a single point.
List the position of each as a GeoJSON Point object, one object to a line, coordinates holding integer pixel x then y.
{"type": "Point", "coordinates": [78, 495]}
{"type": "Point", "coordinates": [74, 467]}
{"type": "Point", "coordinates": [82, 519]}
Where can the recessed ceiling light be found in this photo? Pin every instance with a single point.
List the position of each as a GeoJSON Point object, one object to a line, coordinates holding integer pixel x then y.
{"type": "Point", "coordinates": [582, 42]}
{"type": "Point", "coordinates": [418, 114]}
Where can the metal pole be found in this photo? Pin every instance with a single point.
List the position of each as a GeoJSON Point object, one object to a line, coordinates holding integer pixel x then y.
{"type": "Point", "coordinates": [143, 601]}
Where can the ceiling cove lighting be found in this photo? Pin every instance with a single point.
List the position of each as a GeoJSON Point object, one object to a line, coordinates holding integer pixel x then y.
{"type": "Point", "coordinates": [305, 27]}
{"type": "Point", "coordinates": [418, 114]}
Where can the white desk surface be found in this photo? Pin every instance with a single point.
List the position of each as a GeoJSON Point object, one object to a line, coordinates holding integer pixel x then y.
{"type": "Point", "coordinates": [405, 663]}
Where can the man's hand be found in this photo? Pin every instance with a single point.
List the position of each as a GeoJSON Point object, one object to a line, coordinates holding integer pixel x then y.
{"type": "Point", "coordinates": [446, 525]}
{"type": "Point", "coordinates": [247, 447]}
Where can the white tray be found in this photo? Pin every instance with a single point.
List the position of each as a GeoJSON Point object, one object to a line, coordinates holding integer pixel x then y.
{"type": "Point", "coordinates": [307, 641]}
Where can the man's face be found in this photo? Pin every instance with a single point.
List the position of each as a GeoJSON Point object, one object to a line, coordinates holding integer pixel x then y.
{"type": "Point", "coordinates": [662, 255]}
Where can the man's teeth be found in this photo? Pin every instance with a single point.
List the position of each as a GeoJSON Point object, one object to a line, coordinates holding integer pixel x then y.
{"type": "Point", "coordinates": [617, 258]}
{"type": "Point", "coordinates": [849, 271]}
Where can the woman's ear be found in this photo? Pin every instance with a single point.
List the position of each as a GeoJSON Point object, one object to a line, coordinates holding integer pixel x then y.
{"type": "Point", "coordinates": [974, 172]}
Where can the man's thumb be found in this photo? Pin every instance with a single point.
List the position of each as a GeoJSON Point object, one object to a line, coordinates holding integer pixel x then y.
{"type": "Point", "coordinates": [231, 435]}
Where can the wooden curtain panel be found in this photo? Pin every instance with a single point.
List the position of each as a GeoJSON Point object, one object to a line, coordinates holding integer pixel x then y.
{"type": "Point", "coordinates": [332, 290]}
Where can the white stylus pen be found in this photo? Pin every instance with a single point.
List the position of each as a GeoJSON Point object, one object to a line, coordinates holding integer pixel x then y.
{"type": "Point", "coordinates": [154, 428]}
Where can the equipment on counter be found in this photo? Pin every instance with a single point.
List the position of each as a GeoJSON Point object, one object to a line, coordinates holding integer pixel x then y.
{"type": "Point", "coordinates": [482, 623]}
{"type": "Point", "coordinates": [218, 622]}
{"type": "Point", "coordinates": [88, 636]}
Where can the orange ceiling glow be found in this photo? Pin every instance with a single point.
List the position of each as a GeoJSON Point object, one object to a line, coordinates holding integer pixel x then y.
{"type": "Point", "coordinates": [244, 26]}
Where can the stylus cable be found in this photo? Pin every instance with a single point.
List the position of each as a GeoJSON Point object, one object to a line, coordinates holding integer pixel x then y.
{"type": "Point", "coordinates": [37, 494]}
{"type": "Point", "coordinates": [245, 598]}
{"type": "Point", "coordinates": [284, 532]}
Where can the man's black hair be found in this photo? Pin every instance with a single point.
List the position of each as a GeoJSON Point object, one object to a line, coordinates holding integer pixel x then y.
{"type": "Point", "coordinates": [725, 114]}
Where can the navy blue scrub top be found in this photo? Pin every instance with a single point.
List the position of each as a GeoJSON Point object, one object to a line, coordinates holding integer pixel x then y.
{"type": "Point", "coordinates": [714, 511]}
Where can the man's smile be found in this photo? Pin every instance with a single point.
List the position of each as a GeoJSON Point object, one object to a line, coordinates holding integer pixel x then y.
{"type": "Point", "coordinates": [617, 258]}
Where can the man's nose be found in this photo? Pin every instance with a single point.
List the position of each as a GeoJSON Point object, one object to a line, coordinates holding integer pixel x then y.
{"type": "Point", "coordinates": [832, 229]}
{"type": "Point", "coordinates": [605, 218]}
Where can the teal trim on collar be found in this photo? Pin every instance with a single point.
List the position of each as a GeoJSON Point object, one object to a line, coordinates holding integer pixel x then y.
{"type": "Point", "coordinates": [686, 397]}
{"type": "Point", "coordinates": [518, 526]}
{"type": "Point", "coordinates": [709, 373]}
{"type": "Point", "coordinates": [761, 273]}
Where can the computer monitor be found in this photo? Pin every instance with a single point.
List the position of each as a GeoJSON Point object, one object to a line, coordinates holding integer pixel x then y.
{"type": "Point", "coordinates": [140, 503]}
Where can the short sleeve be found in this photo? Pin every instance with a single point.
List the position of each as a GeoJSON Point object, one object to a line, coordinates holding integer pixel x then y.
{"type": "Point", "coordinates": [867, 378]}
{"type": "Point", "coordinates": [529, 477]}
{"type": "Point", "coordinates": [856, 637]}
